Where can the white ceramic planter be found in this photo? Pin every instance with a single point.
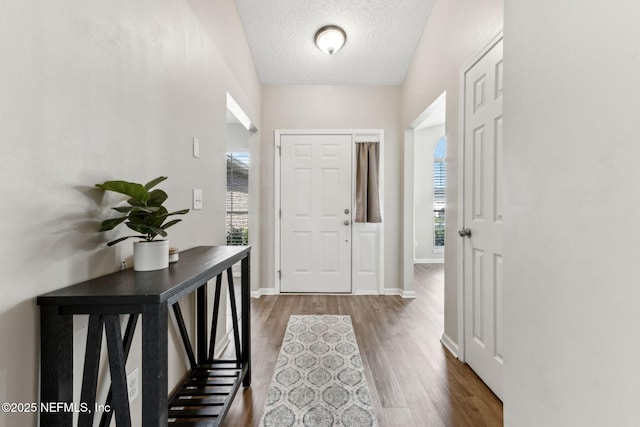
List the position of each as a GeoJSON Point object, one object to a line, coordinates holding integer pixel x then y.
{"type": "Point", "coordinates": [148, 256]}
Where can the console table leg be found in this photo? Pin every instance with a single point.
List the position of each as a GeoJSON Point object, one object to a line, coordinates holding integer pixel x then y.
{"type": "Point", "coordinates": [91, 367]}
{"type": "Point", "coordinates": [201, 324]}
{"type": "Point", "coordinates": [214, 319]}
{"type": "Point", "coordinates": [184, 334]}
{"type": "Point", "coordinates": [154, 365]}
{"type": "Point", "coordinates": [117, 369]}
{"type": "Point", "coordinates": [56, 364]}
{"type": "Point", "coordinates": [246, 318]}
{"type": "Point", "coordinates": [105, 420]}
{"type": "Point", "coordinates": [234, 316]}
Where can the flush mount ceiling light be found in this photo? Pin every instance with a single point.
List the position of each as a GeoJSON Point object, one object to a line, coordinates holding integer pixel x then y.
{"type": "Point", "coordinates": [330, 39]}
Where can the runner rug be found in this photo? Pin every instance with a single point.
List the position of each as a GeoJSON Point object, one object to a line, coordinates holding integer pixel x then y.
{"type": "Point", "coordinates": [319, 380]}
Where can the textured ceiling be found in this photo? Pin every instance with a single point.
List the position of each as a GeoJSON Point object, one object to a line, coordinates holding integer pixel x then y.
{"type": "Point", "coordinates": [382, 36]}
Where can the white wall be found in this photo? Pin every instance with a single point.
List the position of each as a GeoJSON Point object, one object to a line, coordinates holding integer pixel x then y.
{"type": "Point", "coordinates": [333, 107]}
{"type": "Point", "coordinates": [97, 91]}
{"type": "Point", "coordinates": [455, 30]}
{"type": "Point", "coordinates": [572, 213]}
{"type": "Point", "coordinates": [237, 138]}
{"type": "Point", "coordinates": [425, 145]}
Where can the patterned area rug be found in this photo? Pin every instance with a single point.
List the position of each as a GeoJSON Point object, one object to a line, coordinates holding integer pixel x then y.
{"type": "Point", "coordinates": [319, 380]}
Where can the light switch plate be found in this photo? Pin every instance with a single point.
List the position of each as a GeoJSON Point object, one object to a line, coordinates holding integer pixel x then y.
{"type": "Point", "coordinates": [197, 199]}
{"type": "Point", "coordinates": [196, 147]}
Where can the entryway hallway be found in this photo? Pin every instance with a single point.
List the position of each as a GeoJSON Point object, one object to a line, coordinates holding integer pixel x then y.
{"type": "Point", "coordinates": [413, 379]}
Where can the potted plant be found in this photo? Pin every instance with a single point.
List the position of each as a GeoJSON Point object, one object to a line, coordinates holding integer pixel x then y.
{"type": "Point", "coordinates": [145, 215]}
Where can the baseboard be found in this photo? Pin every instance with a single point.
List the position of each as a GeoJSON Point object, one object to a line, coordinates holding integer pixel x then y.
{"type": "Point", "coordinates": [399, 292]}
{"type": "Point", "coordinates": [357, 293]}
{"type": "Point", "coordinates": [429, 261]}
{"type": "Point", "coordinates": [263, 291]}
{"type": "Point", "coordinates": [408, 294]}
{"type": "Point", "coordinates": [449, 345]}
{"type": "Point", "coordinates": [388, 291]}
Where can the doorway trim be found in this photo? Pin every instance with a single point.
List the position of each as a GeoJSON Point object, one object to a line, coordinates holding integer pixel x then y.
{"type": "Point", "coordinates": [356, 134]}
{"type": "Point", "coordinates": [254, 186]}
{"type": "Point", "coordinates": [408, 238]}
{"type": "Point", "coordinates": [479, 54]}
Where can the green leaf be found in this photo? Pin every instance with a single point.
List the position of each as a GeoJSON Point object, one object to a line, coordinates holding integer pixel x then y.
{"type": "Point", "coordinates": [149, 185]}
{"type": "Point", "coordinates": [157, 198]}
{"type": "Point", "coordinates": [170, 223]}
{"type": "Point", "coordinates": [109, 224]}
{"type": "Point", "coordinates": [113, 242]}
{"type": "Point", "coordinates": [134, 202]}
{"type": "Point", "coordinates": [131, 189]}
{"type": "Point", "coordinates": [144, 217]}
{"type": "Point", "coordinates": [157, 218]}
{"type": "Point", "coordinates": [140, 228]}
{"type": "Point", "coordinates": [146, 229]}
{"type": "Point", "coordinates": [141, 209]}
{"type": "Point", "coordinates": [123, 209]}
{"type": "Point", "coordinates": [180, 212]}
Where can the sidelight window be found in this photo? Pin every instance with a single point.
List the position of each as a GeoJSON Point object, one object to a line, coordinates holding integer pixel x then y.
{"type": "Point", "coordinates": [439, 192]}
{"type": "Point", "coordinates": [238, 198]}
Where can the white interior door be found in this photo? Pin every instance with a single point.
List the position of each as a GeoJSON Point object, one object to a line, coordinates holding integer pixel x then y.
{"type": "Point", "coordinates": [315, 203]}
{"type": "Point", "coordinates": [482, 215]}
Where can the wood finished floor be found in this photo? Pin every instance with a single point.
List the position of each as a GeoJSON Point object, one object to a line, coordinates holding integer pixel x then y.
{"type": "Point", "coordinates": [413, 380]}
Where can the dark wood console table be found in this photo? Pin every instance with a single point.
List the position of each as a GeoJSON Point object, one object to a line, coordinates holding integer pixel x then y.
{"type": "Point", "coordinates": [203, 398]}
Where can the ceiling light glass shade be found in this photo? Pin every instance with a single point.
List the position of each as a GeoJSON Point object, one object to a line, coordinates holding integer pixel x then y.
{"type": "Point", "coordinates": [330, 39]}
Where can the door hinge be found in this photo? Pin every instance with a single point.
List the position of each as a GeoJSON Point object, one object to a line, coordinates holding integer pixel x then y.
{"type": "Point", "coordinates": [280, 213]}
{"type": "Point", "coordinates": [279, 151]}
{"type": "Point", "coordinates": [279, 274]}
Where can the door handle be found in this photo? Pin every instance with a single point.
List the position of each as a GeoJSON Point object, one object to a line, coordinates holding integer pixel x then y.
{"type": "Point", "coordinates": [346, 222]}
{"type": "Point", "coordinates": [464, 232]}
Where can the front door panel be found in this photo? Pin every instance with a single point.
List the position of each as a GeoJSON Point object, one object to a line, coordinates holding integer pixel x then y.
{"type": "Point", "coordinates": [315, 191]}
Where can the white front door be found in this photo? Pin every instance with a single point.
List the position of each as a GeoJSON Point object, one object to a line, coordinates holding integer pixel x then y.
{"type": "Point", "coordinates": [315, 203]}
{"type": "Point", "coordinates": [482, 213]}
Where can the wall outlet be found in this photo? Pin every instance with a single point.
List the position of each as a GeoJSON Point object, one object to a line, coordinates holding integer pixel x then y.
{"type": "Point", "coordinates": [197, 199]}
{"type": "Point", "coordinates": [133, 385]}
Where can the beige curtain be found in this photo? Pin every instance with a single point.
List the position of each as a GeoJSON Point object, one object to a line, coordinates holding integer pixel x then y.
{"type": "Point", "coordinates": [367, 182]}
